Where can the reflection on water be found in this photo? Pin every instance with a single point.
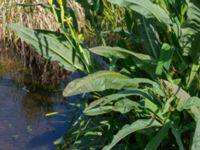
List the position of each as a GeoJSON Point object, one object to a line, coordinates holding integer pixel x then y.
{"type": "Point", "coordinates": [23, 125]}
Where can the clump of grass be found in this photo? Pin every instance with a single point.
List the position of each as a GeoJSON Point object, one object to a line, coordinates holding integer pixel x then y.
{"type": "Point", "coordinates": [29, 17]}
{"type": "Point", "coordinates": [79, 12]}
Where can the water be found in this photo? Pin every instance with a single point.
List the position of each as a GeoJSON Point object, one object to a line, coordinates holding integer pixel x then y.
{"type": "Point", "coordinates": [23, 125]}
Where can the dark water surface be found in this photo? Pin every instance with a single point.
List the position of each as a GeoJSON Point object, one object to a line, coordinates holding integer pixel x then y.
{"type": "Point", "coordinates": [23, 125]}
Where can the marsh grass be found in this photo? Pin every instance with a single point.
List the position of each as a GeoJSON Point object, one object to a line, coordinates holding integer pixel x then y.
{"type": "Point", "coordinates": [29, 17]}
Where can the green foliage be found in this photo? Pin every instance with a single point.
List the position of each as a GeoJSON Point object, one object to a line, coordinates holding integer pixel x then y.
{"type": "Point", "coordinates": [50, 45]}
{"type": "Point", "coordinates": [153, 79]}
{"type": "Point", "coordinates": [128, 129]}
{"type": "Point", "coordinates": [156, 141]}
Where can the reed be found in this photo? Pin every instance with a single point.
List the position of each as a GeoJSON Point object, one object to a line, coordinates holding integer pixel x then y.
{"type": "Point", "coordinates": [29, 17]}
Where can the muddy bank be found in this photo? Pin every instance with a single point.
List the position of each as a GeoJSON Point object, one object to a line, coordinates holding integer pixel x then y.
{"type": "Point", "coordinates": [49, 73]}
{"type": "Point", "coordinates": [45, 73]}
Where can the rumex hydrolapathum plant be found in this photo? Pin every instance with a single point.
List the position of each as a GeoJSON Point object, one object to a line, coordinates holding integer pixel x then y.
{"type": "Point", "coordinates": [149, 91]}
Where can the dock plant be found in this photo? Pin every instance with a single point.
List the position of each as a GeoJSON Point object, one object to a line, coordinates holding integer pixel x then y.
{"type": "Point", "coordinates": [140, 92]}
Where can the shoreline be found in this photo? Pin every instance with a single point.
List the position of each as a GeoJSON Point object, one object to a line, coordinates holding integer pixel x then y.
{"type": "Point", "coordinates": [50, 74]}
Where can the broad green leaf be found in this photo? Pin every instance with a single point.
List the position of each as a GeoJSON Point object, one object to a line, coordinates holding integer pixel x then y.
{"type": "Point", "coordinates": [123, 106]}
{"type": "Point", "coordinates": [196, 137]}
{"type": "Point", "coordinates": [146, 8]}
{"type": "Point", "coordinates": [99, 111]}
{"type": "Point", "coordinates": [150, 105]}
{"type": "Point", "coordinates": [142, 61]}
{"type": "Point", "coordinates": [165, 58]}
{"type": "Point", "coordinates": [149, 36]}
{"type": "Point", "coordinates": [98, 81]}
{"type": "Point", "coordinates": [120, 53]}
{"type": "Point", "coordinates": [129, 129]}
{"type": "Point", "coordinates": [157, 140]}
{"type": "Point", "coordinates": [190, 33]}
{"type": "Point", "coordinates": [168, 104]}
{"type": "Point", "coordinates": [50, 47]}
{"type": "Point", "coordinates": [149, 9]}
{"type": "Point", "coordinates": [114, 97]}
{"type": "Point", "coordinates": [188, 104]}
{"type": "Point", "coordinates": [104, 80]}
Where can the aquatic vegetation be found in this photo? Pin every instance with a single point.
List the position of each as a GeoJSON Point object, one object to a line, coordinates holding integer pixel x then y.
{"type": "Point", "coordinates": [148, 97]}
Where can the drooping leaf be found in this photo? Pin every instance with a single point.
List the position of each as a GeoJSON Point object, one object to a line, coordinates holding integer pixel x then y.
{"type": "Point", "coordinates": [114, 97]}
{"type": "Point", "coordinates": [156, 140]}
{"type": "Point", "coordinates": [123, 106]}
{"type": "Point", "coordinates": [191, 33]}
{"type": "Point", "coordinates": [189, 103]}
{"type": "Point", "coordinates": [98, 81]}
{"type": "Point", "coordinates": [149, 36]}
{"type": "Point", "coordinates": [104, 80]}
{"type": "Point", "coordinates": [49, 46]}
{"type": "Point", "coordinates": [120, 53]}
{"type": "Point", "coordinates": [146, 8]}
{"type": "Point", "coordinates": [165, 58]}
{"type": "Point", "coordinates": [129, 129]}
{"type": "Point", "coordinates": [142, 61]}
{"type": "Point", "coordinates": [153, 107]}
{"type": "Point", "coordinates": [149, 9]}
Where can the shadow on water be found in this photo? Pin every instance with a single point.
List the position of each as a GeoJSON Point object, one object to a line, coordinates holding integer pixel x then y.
{"type": "Point", "coordinates": [23, 107]}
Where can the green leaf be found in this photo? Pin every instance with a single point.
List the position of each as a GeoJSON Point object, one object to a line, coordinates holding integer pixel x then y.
{"type": "Point", "coordinates": [165, 58]}
{"type": "Point", "coordinates": [149, 9]}
{"type": "Point", "coordinates": [129, 129]}
{"type": "Point", "coordinates": [196, 137]}
{"type": "Point", "coordinates": [104, 80]}
{"type": "Point", "coordinates": [177, 136]}
{"type": "Point", "coordinates": [114, 97]}
{"type": "Point", "coordinates": [168, 104]}
{"type": "Point", "coordinates": [118, 52]}
{"type": "Point", "coordinates": [188, 104]}
{"type": "Point", "coordinates": [142, 61]}
{"type": "Point", "coordinates": [193, 73]}
{"type": "Point", "coordinates": [123, 106]}
{"type": "Point", "coordinates": [48, 45]}
{"type": "Point", "coordinates": [146, 8]}
{"type": "Point", "coordinates": [149, 36]}
{"type": "Point", "coordinates": [98, 81]}
{"type": "Point", "coordinates": [190, 33]}
{"type": "Point", "coordinates": [156, 141]}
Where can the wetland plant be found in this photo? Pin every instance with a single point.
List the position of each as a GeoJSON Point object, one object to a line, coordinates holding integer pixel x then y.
{"type": "Point", "coordinates": [148, 97]}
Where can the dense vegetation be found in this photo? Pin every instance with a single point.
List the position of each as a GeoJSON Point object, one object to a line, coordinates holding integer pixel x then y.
{"type": "Point", "coordinates": [141, 93]}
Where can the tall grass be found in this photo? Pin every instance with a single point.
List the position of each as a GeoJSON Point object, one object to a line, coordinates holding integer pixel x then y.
{"type": "Point", "coordinates": [29, 17]}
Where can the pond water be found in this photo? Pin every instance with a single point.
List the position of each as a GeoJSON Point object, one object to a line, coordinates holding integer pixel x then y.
{"type": "Point", "coordinates": [23, 125]}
